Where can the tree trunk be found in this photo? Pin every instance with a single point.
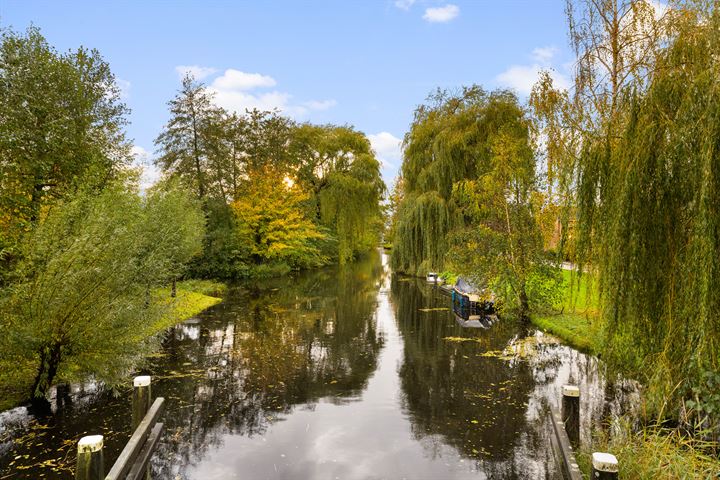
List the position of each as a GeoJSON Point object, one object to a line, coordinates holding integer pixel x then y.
{"type": "Point", "coordinates": [524, 303]}
{"type": "Point", "coordinates": [173, 291]}
{"type": "Point", "coordinates": [50, 356]}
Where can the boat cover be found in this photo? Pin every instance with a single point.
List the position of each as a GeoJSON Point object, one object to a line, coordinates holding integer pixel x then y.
{"type": "Point", "coordinates": [466, 287]}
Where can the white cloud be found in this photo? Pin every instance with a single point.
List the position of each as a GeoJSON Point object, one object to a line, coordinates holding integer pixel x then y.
{"type": "Point", "coordinates": [239, 101]}
{"type": "Point", "coordinates": [124, 87]}
{"type": "Point", "coordinates": [387, 147]}
{"type": "Point", "coordinates": [150, 173]}
{"type": "Point", "coordinates": [441, 14]}
{"type": "Point", "coordinates": [544, 54]}
{"type": "Point", "coordinates": [522, 77]}
{"type": "Point", "coordinates": [236, 90]}
{"type": "Point", "coordinates": [196, 71]}
{"type": "Point", "coordinates": [320, 104]}
{"type": "Point", "coordinates": [236, 80]}
{"type": "Point", "coordinates": [660, 8]}
{"type": "Point", "coordinates": [404, 4]}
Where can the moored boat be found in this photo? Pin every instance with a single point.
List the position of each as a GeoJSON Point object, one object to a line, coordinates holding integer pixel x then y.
{"type": "Point", "coordinates": [471, 302]}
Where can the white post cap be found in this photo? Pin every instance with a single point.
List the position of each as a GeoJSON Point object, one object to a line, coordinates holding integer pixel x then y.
{"type": "Point", "coordinates": [570, 391]}
{"type": "Point", "coordinates": [142, 381]}
{"type": "Point", "coordinates": [91, 443]}
{"type": "Point", "coordinates": [604, 462]}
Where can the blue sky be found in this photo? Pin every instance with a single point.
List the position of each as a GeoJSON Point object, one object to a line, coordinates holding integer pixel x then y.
{"type": "Point", "coordinates": [365, 63]}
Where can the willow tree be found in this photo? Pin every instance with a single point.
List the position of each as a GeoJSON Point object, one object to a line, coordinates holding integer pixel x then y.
{"type": "Point", "coordinates": [78, 305]}
{"type": "Point", "coordinates": [659, 219]}
{"type": "Point", "coordinates": [450, 140]}
{"type": "Point", "coordinates": [615, 42]}
{"type": "Point", "coordinates": [337, 166]}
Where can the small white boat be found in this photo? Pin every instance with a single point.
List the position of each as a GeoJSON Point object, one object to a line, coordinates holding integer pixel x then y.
{"type": "Point", "coordinates": [433, 277]}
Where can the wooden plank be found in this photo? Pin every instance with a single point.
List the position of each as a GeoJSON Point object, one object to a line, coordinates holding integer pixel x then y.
{"type": "Point", "coordinates": [139, 468]}
{"type": "Point", "coordinates": [556, 452]}
{"type": "Point", "coordinates": [569, 464]}
{"type": "Point", "coordinates": [137, 441]}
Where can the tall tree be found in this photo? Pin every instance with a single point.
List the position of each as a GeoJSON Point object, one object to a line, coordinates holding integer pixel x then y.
{"type": "Point", "coordinates": [339, 169]}
{"type": "Point", "coordinates": [615, 43]}
{"type": "Point", "coordinates": [190, 139]}
{"type": "Point", "coordinates": [501, 245]}
{"type": "Point", "coordinates": [659, 220]}
{"type": "Point", "coordinates": [61, 127]}
{"type": "Point", "coordinates": [267, 137]}
{"type": "Point", "coordinates": [450, 140]}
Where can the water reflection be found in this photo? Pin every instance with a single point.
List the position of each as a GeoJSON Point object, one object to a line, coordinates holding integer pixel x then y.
{"type": "Point", "coordinates": [342, 373]}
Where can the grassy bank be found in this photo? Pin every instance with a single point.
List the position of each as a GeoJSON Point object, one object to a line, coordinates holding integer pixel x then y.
{"type": "Point", "coordinates": [577, 318]}
{"type": "Point", "coordinates": [651, 453]}
{"type": "Point", "coordinates": [193, 296]}
{"type": "Point", "coordinates": [655, 453]}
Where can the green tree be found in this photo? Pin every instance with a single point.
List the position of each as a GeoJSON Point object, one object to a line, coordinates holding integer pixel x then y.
{"type": "Point", "coordinates": [450, 140]}
{"type": "Point", "coordinates": [501, 245]}
{"type": "Point", "coordinates": [79, 306]}
{"type": "Point", "coordinates": [189, 142]}
{"type": "Point", "coordinates": [395, 199]}
{"type": "Point", "coordinates": [469, 197]}
{"type": "Point", "coordinates": [61, 128]}
{"type": "Point", "coordinates": [266, 138]}
{"type": "Point", "coordinates": [339, 169]}
{"type": "Point", "coordinates": [658, 217]}
{"type": "Point", "coordinates": [173, 215]}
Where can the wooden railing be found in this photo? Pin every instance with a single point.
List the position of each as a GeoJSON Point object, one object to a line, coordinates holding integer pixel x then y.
{"type": "Point", "coordinates": [133, 462]}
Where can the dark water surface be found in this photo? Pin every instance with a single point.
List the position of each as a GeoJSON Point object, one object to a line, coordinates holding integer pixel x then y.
{"type": "Point", "coordinates": [349, 373]}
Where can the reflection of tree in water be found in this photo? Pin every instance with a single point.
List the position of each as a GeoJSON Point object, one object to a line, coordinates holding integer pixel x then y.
{"type": "Point", "coordinates": [477, 404]}
{"type": "Point", "coordinates": [265, 349]}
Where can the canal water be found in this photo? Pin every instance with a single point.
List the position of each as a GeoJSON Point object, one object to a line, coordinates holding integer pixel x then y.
{"type": "Point", "coordinates": [341, 373]}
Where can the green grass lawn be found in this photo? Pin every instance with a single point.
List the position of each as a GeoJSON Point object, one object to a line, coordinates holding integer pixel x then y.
{"type": "Point", "coordinates": [187, 303]}
{"type": "Point", "coordinates": [577, 319]}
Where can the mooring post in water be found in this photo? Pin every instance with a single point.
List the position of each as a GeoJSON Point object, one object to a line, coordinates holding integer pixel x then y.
{"type": "Point", "coordinates": [604, 467]}
{"type": "Point", "coordinates": [142, 399]}
{"type": "Point", "coordinates": [89, 464]}
{"type": "Point", "coordinates": [571, 413]}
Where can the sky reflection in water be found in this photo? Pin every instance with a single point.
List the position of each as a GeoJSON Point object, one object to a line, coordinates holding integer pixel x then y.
{"type": "Point", "coordinates": [342, 373]}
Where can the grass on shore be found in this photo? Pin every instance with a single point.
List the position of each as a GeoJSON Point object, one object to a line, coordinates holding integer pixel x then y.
{"type": "Point", "coordinates": [188, 302]}
{"type": "Point", "coordinates": [655, 454]}
{"type": "Point", "coordinates": [193, 296]}
{"type": "Point", "coordinates": [577, 321]}
{"type": "Point", "coordinates": [651, 453]}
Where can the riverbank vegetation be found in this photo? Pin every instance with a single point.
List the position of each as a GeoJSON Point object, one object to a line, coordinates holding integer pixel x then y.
{"type": "Point", "coordinates": [618, 174]}
{"type": "Point", "coordinates": [90, 263]}
{"type": "Point", "coordinates": [576, 317]}
{"type": "Point", "coordinates": [278, 195]}
{"type": "Point", "coordinates": [637, 137]}
{"type": "Point", "coordinates": [467, 198]}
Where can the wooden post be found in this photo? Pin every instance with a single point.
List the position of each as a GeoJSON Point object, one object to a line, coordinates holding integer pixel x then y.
{"type": "Point", "coordinates": [142, 398]}
{"type": "Point", "coordinates": [571, 413]}
{"type": "Point", "coordinates": [89, 465]}
{"type": "Point", "coordinates": [604, 467]}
